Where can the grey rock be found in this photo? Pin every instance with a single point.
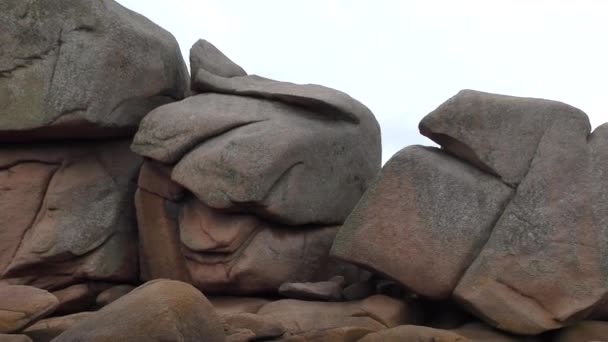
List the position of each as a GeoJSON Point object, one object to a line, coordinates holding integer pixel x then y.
{"type": "Point", "coordinates": [409, 219]}
{"type": "Point", "coordinates": [498, 133]}
{"type": "Point", "coordinates": [82, 68]}
{"type": "Point", "coordinates": [204, 55]}
{"type": "Point", "coordinates": [287, 163]}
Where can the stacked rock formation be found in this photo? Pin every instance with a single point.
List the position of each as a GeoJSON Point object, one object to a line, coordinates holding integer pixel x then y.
{"type": "Point", "coordinates": [249, 172]}
{"type": "Point", "coordinates": [260, 203]}
{"type": "Point", "coordinates": [76, 77]}
{"type": "Point", "coordinates": [509, 218]}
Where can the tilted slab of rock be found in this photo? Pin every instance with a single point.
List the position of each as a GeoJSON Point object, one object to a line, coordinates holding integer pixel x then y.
{"type": "Point", "coordinates": [541, 263]}
{"type": "Point", "coordinates": [287, 163]}
{"type": "Point", "coordinates": [404, 225]}
{"type": "Point", "coordinates": [498, 133]}
{"type": "Point", "coordinates": [66, 213]}
{"type": "Point", "coordinates": [82, 68]}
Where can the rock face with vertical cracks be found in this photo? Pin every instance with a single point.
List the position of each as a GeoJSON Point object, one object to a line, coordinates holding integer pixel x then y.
{"type": "Point", "coordinates": [514, 224]}
{"type": "Point", "coordinates": [268, 170]}
{"type": "Point", "coordinates": [82, 69]}
{"type": "Point", "coordinates": [66, 213]}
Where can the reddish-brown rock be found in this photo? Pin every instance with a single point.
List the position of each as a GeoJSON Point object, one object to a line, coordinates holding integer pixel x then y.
{"type": "Point", "coordinates": [76, 221]}
{"type": "Point", "coordinates": [47, 329]}
{"type": "Point", "coordinates": [23, 305]}
{"type": "Point", "coordinates": [79, 297]}
{"type": "Point", "coordinates": [160, 310]}
{"type": "Point", "coordinates": [113, 293]}
{"type": "Point", "coordinates": [413, 333]}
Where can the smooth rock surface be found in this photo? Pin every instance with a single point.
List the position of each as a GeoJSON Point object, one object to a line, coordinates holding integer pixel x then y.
{"type": "Point", "coordinates": [160, 310]}
{"type": "Point", "coordinates": [66, 213]}
{"type": "Point", "coordinates": [23, 305]}
{"type": "Point", "coordinates": [82, 68]}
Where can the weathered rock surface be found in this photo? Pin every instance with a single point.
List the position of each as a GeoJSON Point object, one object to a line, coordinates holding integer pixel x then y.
{"type": "Point", "coordinates": [341, 334]}
{"type": "Point", "coordinates": [204, 55]}
{"type": "Point", "coordinates": [66, 213]}
{"type": "Point", "coordinates": [227, 305]}
{"type": "Point", "coordinates": [499, 133]}
{"type": "Point", "coordinates": [230, 253]}
{"type": "Point", "coordinates": [47, 329]}
{"type": "Point", "coordinates": [160, 310]}
{"type": "Point", "coordinates": [258, 327]}
{"type": "Point", "coordinates": [227, 154]}
{"type": "Point", "coordinates": [330, 290]}
{"type": "Point", "coordinates": [514, 229]}
{"type": "Point", "coordinates": [405, 226]}
{"type": "Point", "coordinates": [113, 293]}
{"type": "Point", "coordinates": [225, 253]}
{"type": "Point", "coordinates": [583, 331]}
{"type": "Point", "coordinates": [82, 68]}
{"type": "Point", "coordinates": [79, 297]}
{"type": "Point", "coordinates": [375, 313]}
{"type": "Point", "coordinates": [14, 338]}
{"type": "Point", "coordinates": [413, 333]}
{"type": "Point", "coordinates": [480, 332]}
{"type": "Point", "coordinates": [23, 305]}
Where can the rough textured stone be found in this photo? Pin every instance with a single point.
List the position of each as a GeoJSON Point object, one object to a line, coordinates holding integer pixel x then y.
{"type": "Point", "coordinates": [47, 329]}
{"type": "Point", "coordinates": [160, 310]}
{"type": "Point", "coordinates": [544, 265]}
{"type": "Point", "coordinates": [496, 132]}
{"type": "Point", "coordinates": [23, 305]}
{"type": "Point", "coordinates": [413, 333]}
{"type": "Point", "coordinates": [405, 226]}
{"type": "Point", "coordinates": [113, 293]}
{"type": "Point", "coordinates": [299, 316]}
{"type": "Point", "coordinates": [341, 334]}
{"type": "Point", "coordinates": [159, 247]}
{"type": "Point", "coordinates": [204, 55]}
{"type": "Point", "coordinates": [375, 313]}
{"type": "Point", "coordinates": [226, 305]}
{"type": "Point", "coordinates": [358, 290]}
{"type": "Point", "coordinates": [242, 267]}
{"type": "Point", "coordinates": [76, 218]}
{"type": "Point", "coordinates": [479, 332]}
{"type": "Point", "coordinates": [82, 68]}
{"type": "Point", "coordinates": [324, 290]}
{"type": "Point", "coordinates": [583, 331]}
{"type": "Point", "coordinates": [79, 297]}
{"type": "Point", "coordinates": [14, 338]}
{"type": "Point", "coordinates": [261, 327]}
{"type": "Point", "coordinates": [227, 154]}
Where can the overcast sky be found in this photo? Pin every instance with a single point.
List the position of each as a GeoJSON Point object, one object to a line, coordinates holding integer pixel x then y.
{"type": "Point", "coordinates": [404, 58]}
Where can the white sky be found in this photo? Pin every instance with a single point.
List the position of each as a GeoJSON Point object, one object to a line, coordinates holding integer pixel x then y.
{"type": "Point", "coordinates": [404, 58]}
